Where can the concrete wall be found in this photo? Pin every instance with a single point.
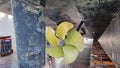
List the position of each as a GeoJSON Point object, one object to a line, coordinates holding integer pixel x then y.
{"type": "Point", "coordinates": [6, 25]}
{"type": "Point", "coordinates": [110, 40]}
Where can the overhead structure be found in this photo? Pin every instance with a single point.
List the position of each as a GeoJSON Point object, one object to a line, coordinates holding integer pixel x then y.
{"type": "Point", "coordinates": [97, 13]}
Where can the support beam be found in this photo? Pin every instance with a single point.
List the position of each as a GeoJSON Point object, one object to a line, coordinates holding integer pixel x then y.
{"type": "Point", "coordinates": [30, 35]}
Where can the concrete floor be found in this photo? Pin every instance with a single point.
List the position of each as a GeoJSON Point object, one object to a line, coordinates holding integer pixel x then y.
{"type": "Point", "coordinates": [5, 62]}
{"type": "Point", "coordinates": [9, 61]}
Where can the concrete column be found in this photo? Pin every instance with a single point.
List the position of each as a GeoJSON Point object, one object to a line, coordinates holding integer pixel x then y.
{"type": "Point", "coordinates": [30, 35]}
